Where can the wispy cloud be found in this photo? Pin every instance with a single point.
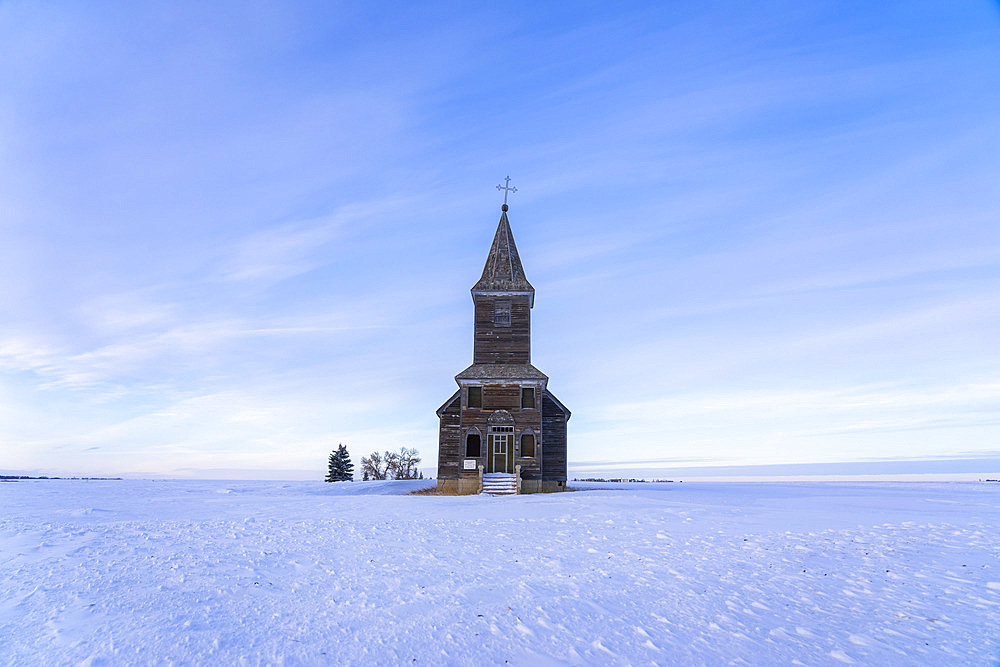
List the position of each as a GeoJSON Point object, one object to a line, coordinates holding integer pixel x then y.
{"type": "Point", "coordinates": [289, 249]}
{"type": "Point", "coordinates": [756, 232]}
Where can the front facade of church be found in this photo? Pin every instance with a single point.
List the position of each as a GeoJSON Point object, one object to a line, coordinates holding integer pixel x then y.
{"type": "Point", "coordinates": [503, 421]}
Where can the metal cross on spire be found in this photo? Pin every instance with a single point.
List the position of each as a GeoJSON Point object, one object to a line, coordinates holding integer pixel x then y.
{"type": "Point", "coordinates": [506, 190]}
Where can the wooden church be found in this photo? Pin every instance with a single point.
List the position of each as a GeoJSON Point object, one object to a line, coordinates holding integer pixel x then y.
{"type": "Point", "coordinates": [503, 431]}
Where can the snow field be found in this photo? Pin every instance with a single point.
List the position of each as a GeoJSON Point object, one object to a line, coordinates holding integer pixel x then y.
{"type": "Point", "coordinates": [160, 572]}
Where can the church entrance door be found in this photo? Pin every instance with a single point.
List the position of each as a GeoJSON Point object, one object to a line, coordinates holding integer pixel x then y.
{"type": "Point", "coordinates": [501, 449]}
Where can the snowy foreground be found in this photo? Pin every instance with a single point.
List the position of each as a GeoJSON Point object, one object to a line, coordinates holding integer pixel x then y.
{"type": "Point", "coordinates": [139, 572]}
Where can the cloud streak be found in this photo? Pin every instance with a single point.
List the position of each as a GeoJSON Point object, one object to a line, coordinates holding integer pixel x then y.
{"type": "Point", "coordinates": [231, 236]}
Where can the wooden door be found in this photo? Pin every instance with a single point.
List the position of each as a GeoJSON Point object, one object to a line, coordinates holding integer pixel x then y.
{"type": "Point", "coordinates": [500, 446]}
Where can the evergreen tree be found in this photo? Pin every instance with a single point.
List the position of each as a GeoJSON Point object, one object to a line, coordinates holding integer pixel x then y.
{"type": "Point", "coordinates": [333, 468]}
{"type": "Point", "coordinates": [339, 466]}
{"type": "Point", "coordinates": [365, 477]}
{"type": "Point", "coordinates": [346, 468]}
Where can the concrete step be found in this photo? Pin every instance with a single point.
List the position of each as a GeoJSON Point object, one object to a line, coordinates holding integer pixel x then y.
{"type": "Point", "coordinates": [499, 484]}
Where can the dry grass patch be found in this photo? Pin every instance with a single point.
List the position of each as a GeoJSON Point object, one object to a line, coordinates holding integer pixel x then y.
{"type": "Point", "coordinates": [433, 491]}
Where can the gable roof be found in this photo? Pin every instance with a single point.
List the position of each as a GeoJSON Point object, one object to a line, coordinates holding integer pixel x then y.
{"type": "Point", "coordinates": [447, 404]}
{"type": "Point", "coordinates": [549, 394]}
{"type": "Point", "coordinates": [503, 271]}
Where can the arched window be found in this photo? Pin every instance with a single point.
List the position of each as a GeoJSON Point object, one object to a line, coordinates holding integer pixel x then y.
{"type": "Point", "coordinates": [528, 445]}
{"type": "Point", "coordinates": [472, 442]}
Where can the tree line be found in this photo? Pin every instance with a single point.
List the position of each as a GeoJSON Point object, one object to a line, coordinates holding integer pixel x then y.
{"type": "Point", "coordinates": [392, 465]}
{"type": "Point", "coordinates": [387, 465]}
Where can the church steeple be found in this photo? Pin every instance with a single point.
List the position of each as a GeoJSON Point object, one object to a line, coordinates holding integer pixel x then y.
{"type": "Point", "coordinates": [503, 273]}
{"type": "Point", "coordinates": [503, 423]}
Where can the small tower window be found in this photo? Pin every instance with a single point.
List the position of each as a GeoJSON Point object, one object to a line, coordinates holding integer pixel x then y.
{"type": "Point", "coordinates": [528, 445]}
{"type": "Point", "coordinates": [475, 399]}
{"type": "Point", "coordinates": [472, 445]}
{"type": "Point", "coordinates": [501, 313]}
{"type": "Point", "coordinates": [527, 397]}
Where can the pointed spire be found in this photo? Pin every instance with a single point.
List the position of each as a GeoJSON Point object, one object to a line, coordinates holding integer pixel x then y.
{"type": "Point", "coordinates": [503, 271]}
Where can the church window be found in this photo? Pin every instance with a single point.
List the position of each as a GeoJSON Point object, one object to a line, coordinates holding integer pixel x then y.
{"type": "Point", "coordinates": [527, 397]}
{"type": "Point", "coordinates": [472, 444]}
{"type": "Point", "coordinates": [501, 313]}
{"type": "Point", "coordinates": [528, 445]}
{"type": "Point", "coordinates": [475, 399]}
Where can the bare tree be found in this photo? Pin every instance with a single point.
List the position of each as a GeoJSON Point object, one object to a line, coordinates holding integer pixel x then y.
{"type": "Point", "coordinates": [391, 465]}
{"type": "Point", "coordinates": [374, 466]}
{"type": "Point", "coordinates": [403, 464]}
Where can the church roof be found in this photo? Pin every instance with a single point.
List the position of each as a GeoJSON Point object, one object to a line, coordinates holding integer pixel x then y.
{"type": "Point", "coordinates": [454, 397]}
{"type": "Point", "coordinates": [503, 271]}
{"type": "Point", "coordinates": [501, 372]}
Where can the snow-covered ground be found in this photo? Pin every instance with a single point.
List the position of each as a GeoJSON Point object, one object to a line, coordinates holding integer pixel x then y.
{"type": "Point", "coordinates": [139, 572]}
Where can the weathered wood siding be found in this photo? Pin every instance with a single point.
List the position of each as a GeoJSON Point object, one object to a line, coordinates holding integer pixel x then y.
{"type": "Point", "coordinates": [505, 397]}
{"type": "Point", "coordinates": [502, 397]}
{"type": "Point", "coordinates": [502, 344]}
{"type": "Point", "coordinates": [554, 430]}
{"type": "Point", "coordinates": [450, 445]}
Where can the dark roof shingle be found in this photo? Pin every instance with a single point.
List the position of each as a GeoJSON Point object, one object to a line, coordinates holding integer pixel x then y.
{"type": "Point", "coordinates": [501, 372]}
{"type": "Point", "coordinates": [503, 271]}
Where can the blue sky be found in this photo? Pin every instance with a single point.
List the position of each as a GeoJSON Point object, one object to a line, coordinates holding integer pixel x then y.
{"type": "Point", "coordinates": [235, 235]}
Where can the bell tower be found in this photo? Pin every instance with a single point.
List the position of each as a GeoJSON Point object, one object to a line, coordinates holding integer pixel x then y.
{"type": "Point", "coordinates": [503, 300]}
